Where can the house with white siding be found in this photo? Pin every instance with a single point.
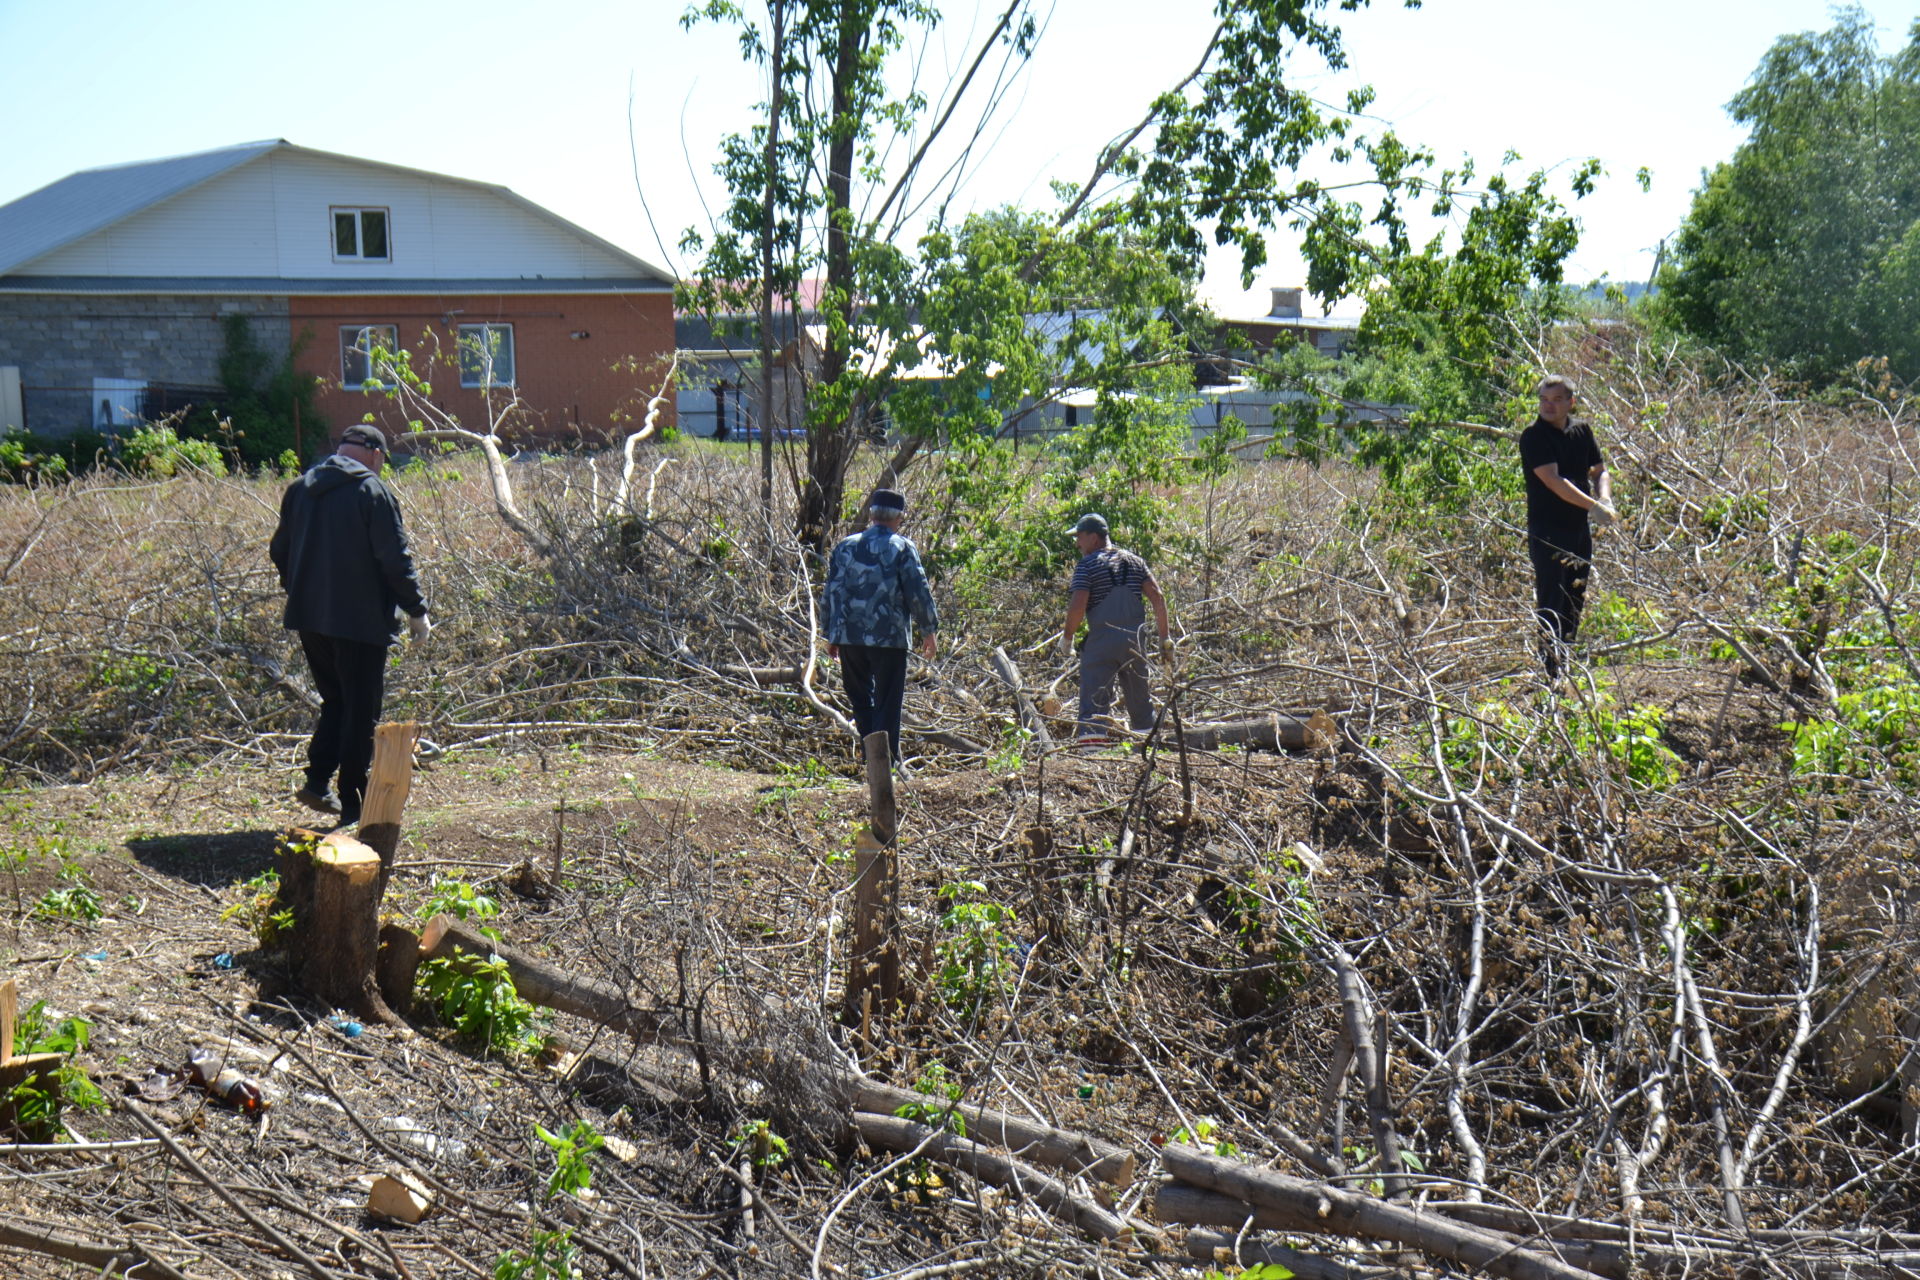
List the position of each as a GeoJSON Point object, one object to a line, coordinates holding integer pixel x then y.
{"type": "Point", "coordinates": [116, 285]}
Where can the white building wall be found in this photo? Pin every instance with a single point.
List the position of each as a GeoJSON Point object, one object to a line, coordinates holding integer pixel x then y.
{"type": "Point", "coordinates": [224, 227]}
{"type": "Point", "coordinates": [273, 217]}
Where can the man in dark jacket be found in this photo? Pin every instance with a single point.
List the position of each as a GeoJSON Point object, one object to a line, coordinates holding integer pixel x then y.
{"type": "Point", "coordinates": [876, 593]}
{"type": "Point", "coordinates": [1568, 492]}
{"type": "Point", "coordinates": [343, 559]}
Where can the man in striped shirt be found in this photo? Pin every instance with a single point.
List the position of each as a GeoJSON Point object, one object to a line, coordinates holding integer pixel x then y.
{"type": "Point", "coordinates": [1109, 587]}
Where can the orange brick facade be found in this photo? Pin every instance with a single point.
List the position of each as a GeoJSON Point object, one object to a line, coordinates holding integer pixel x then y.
{"type": "Point", "coordinates": [585, 365]}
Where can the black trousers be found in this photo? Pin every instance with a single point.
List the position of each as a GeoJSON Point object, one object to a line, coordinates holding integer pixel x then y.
{"type": "Point", "coordinates": [351, 678]}
{"type": "Point", "coordinates": [1562, 563]}
{"type": "Point", "coordinates": [876, 679]}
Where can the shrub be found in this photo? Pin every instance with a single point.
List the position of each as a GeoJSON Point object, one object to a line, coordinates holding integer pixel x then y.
{"type": "Point", "coordinates": [160, 452]}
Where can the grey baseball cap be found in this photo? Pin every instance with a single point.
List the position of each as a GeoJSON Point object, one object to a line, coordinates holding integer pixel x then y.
{"type": "Point", "coordinates": [1090, 523]}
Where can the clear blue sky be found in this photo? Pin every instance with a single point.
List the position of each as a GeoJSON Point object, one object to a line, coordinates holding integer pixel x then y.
{"type": "Point", "coordinates": [539, 98]}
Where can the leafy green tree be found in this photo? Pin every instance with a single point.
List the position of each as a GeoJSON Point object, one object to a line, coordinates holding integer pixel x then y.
{"type": "Point", "coordinates": [844, 178]}
{"type": "Point", "coordinates": [1803, 250]}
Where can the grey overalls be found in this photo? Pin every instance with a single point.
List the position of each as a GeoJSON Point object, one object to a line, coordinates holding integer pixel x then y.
{"type": "Point", "coordinates": [1115, 628]}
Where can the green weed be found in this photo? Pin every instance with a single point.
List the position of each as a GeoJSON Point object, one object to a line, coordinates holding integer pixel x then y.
{"type": "Point", "coordinates": [37, 1111]}
{"type": "Point", "coordinates": [477, 999]}
{"type": "Point", "coordinates": [976, 957]}
{"type": "Point", "coordinates": [255, 909]}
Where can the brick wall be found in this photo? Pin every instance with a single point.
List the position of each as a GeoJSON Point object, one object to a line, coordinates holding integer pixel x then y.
{"type": "Point", "coordinates": [585, 365]}
{"type": "Point", "coordinates": [62, 342]}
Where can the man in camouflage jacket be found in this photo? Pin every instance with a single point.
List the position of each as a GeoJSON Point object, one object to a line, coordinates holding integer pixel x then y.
{"type": "Point", "coordinates": [876, 592]}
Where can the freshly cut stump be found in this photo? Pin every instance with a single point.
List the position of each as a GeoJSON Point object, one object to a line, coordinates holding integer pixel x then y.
{"type": "Point", "coordinates": [334, 894]}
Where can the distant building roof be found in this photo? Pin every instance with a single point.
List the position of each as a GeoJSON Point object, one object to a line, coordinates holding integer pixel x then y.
{"type": "Point", "coordinates": [91, 200]}
{"type": "Point", "coordinates": [82, 203]}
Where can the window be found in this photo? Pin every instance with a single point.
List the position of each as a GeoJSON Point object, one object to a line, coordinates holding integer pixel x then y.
{"type": "Point", "coordinates": [360, 235]}
{"type": "Point", "coordinates": [486, 355]}
{"type": "Point", "coordinates": [358, 342]}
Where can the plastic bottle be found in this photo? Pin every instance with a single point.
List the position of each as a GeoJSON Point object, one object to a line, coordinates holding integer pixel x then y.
{"type": "Point", "coordinates": [210, 1071]}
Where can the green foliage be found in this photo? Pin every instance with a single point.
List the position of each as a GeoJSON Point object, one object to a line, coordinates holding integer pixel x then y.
{"type": "Point", "coordinates": [1259, 1271]}
{"type": "Point", "coordinates": [939, 1112]}
{"type": "Point", "coordinates": [794, 779]}
{"type": "Point", "coordinates": [255, 909]}
{"type": "Point", "coordinates": [571, 1173]}
{"type": "Point", "coordinates": [976, 959]}
{"type": "Point", "coordinates": [1013, 750]}
{"type": "Point", "coordinates": [477, 999]}
{"type": "Point", "coordinates": [456, 897]}
{"type": "Point", "coordinates": [1803, 250]}
{"type": "Point", "coordinates": [1272, 911]}
{"type": "Point", "coordinates": [36, 1110]}
{"type": "Point", "coordinates": [553, 1256]}
{"type": "Point", "coordinates": [1632, 738]}
{"type": "Point", "coordinates": [73, 899]}
{"type": "Point", "coordinates": [767, 1149]}
{"type": "Point", "coordinates": [1202, 1134]}
{"type": "Point", "coordinates": [160, 451]}
{"type": "Point", "coordinates": [1498, 740]}
{"type": "Point", "coordinates": [1875, 727]}
{"type": "Point", "coordinates": [26, 457]}
{"type": "Point", "coordinates": [261, 397]}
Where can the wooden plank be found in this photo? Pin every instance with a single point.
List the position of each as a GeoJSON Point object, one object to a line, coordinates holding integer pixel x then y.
{"type": "Point", "coordinates": [389, 783]}
{"type": "Point", "coordinates": [9, 1014]}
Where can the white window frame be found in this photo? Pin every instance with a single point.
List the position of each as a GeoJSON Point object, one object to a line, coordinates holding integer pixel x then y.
{"type": "Point", "coordinates": [359, 214]}
{"type": "Point", "coordinates": [477, 381]}
{"type": "Point", "coordinates": [353, 341]}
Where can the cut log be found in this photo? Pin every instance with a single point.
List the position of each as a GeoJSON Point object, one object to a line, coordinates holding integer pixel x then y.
{"type": "Point", "coordinates": [1294, 1204]}
{"type": "Point", "coordinates": [1219, 1249]}
{"type": "Point", "coordinates": [893, 1133]}
{"type": "Point", "coordinates": [1042, 1144]}
{"type": "Point", "coordinates": [397, 966]}
{"type": "Point", "coordinates": [1030, 718]}
{"type": "Point", "coordinates": [1269, 733]}
{"type": "Point", "coordinates": [388, 784]}
{"type": "Point", "coordinates": [447, 938]}
{"type": "Point", "coordinates": [335, 900]}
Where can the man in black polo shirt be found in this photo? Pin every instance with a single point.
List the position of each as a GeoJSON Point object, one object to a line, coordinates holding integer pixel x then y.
{"type": "Point", "coordinates": [1567, 485]}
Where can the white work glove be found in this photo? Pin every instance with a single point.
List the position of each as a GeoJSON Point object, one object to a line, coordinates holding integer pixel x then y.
{"type": "Point", "coordinates": [1603, 516]}
{"type": "Point", "coordinates": [419, 627]}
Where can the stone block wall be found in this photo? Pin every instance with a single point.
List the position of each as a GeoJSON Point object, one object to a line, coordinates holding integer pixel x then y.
{"type": "Point", "coordinates": [62, 342]}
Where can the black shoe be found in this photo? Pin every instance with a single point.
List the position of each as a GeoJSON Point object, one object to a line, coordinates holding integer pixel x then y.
{"type": "Point", "coordinates": [321, 801]}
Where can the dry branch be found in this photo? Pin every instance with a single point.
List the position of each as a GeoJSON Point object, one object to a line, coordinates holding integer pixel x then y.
{"type": "Point", "coordinates": [893, 1133]}
{"type": "Point", "coordinates": [1043, 1144]}
{"type": "Point", "coordinates": [1293, 1204]}
{"type": "Point", "coordinates": [50, 1241]}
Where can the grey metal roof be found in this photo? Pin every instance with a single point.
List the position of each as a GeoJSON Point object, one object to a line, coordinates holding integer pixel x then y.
{"type": "Point", "coordinates": [281, 286]}
{"type": "Point", "coordinates": [83, 203]}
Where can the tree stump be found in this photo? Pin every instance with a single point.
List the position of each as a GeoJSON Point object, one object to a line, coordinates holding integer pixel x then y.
{"type": "Point", "coordinates": [333, 890]}
{"type": "Point", "coordinates": [873, 976]}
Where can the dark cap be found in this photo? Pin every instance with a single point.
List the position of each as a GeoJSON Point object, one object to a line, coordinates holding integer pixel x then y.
{"type": "Point", "coordinates": [887, 500]}
{"type": "Point", "coordinates": [365, 436]}
{"type": "Point", "coordinates": [1090, 523]}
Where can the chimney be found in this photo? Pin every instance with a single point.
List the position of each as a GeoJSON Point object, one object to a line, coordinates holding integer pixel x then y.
{"type": "Point", "coordinates": [1286, 302]}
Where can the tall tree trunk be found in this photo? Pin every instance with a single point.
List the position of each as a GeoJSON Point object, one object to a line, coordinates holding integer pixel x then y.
{"type": "Point", "coordinates": [830, 445]}
{"type": "Point", "coordinates": [777, 12]}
